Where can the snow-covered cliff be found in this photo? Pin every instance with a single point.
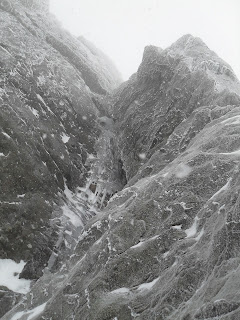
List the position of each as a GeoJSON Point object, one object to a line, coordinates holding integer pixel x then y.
{"type": "Point", "coordinates": [117, 202]}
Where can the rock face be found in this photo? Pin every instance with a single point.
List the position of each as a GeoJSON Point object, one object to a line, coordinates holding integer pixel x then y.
{"type": "Point", "coordinates": [150, 170]}
{"type": "Point", "coordinates": [51, 85]}
{"type": "Point", "coordinates": [170, 86]}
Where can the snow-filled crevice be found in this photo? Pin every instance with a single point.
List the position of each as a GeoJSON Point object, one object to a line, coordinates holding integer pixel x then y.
{"type": "Point", "coordinates": [106, 176]}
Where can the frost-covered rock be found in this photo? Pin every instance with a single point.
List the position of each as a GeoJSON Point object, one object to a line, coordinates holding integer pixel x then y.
{"type": "Point", "coordinates": [50, 87]}
{"type": "Point", "coordinates": [160, 152]}
{"type": "Point", "coordinates": [170, 86]}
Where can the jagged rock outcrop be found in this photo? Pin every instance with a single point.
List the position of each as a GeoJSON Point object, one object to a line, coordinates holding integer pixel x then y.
{"type": "Point", "coordinates": [166, 246]}
{"type": "Point", "coordinates": [168, 87]}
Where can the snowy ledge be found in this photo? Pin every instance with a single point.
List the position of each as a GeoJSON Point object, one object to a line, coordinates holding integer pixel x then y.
{"type": "Point", "coordinates": [9, 276]}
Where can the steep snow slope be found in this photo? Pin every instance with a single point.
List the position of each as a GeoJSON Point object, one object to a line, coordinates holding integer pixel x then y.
{"type": "Point", "coordinates": [166, 247]}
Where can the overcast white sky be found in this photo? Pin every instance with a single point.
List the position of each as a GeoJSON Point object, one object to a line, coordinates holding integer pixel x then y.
{"type": "Point", "coordinates": [122, 28]}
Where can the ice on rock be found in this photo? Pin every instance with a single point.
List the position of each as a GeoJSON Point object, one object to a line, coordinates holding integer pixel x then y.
{"type": "Point", "coordinates": [9, 276]}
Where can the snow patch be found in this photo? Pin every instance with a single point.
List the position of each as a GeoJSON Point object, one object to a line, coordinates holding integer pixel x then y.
{"type": "Point", "coordinates": [75, 220]}
{"type": "Point", "coordinates": [224, 188]}
{"type": "Point", "coordinates": [6, 135]}
{"type": "Point", "coordinates": [177, 227]}
{"type": "Point", "coordinates": [34, 111]}
{"type": "Point", "coordinates": [232, 120]}
{"type": "Point", "coordinates": [237, 153]}
{"type": "Point", "coordinates": [32, 314]}
{"type": "Point", "coordinates": [221, 208]}
{"type": "Point", "coordinates": [193, 229]}
{"type": "Point", "coordinates": [133, 313]}
{"type": "Point", "coordinates": [165, 174]}
{"type": "Point", "coordinates": [41, 99]}
{"type": "Point", "coordinates": [68, 193]}
{"type": "Point", "coordinates": [142, 242]}
{"type": "Point", "coordinates": [87, 297]}
{"type": "Point", "coordinates": [200, 235]}
{"type": "Point", "coordinates": [65, 138]}
{"type": "Point", "coordinates": [139, 244]}
{"type": "Point", "coordinates": [9, 276]}
{"type": "Point", "coordinates": [21, 195]}
{"type": "Point", "coordinates": [142, 156]}
{"type": "Point", "coordinates": [91, 156]}
{"type": "Point", "coordinates": [183, 170]}
{"type": "Point", "coordinates": [41, 80]}
{"type": "Point", "coordinates": [97, 225]}
{"type": "Point", "coordinates": [36, 312]}
{"type": "Point", "coordinates": [68, 232]}
{"type": "Point", "coordinates": [148, 285]}
{"type": "Point", "coordinates": [18, 315]}
{"type": "Point", "coordinates": [183, 205]}
{"type": "Point", "coordinates": [121, 291]}
{"type": "Point", "coordinates": [165, 254]}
